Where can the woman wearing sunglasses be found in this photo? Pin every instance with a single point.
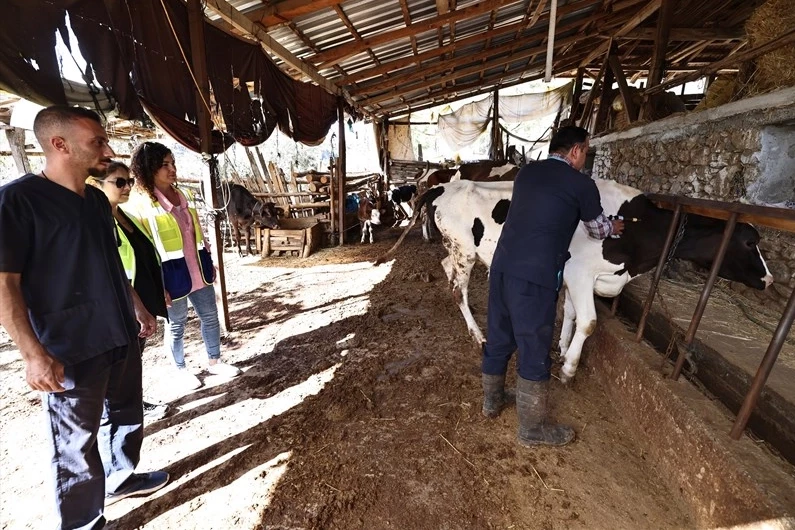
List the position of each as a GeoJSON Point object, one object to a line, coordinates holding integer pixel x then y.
{"type": "Point", "coordinates": [138, 255]}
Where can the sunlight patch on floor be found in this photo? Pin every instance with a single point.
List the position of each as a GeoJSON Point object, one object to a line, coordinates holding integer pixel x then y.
{"type": "Point", "coordinates": [216, 426]}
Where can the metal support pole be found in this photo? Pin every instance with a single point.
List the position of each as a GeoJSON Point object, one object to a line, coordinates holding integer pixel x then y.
{"type": "Point", "coordinates": [672, 229]}
{"type": "Point", "coordinates": [765, 367]}
{"type": "Point", "coordinates": [702, 302]}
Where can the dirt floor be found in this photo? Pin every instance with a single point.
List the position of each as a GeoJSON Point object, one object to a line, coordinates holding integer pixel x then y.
{"type": "Point", "coordinates": [359, 408]}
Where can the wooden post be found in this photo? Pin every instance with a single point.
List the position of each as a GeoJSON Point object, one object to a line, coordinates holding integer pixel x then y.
{"type": "Point", "coordinates": [203, 118]}
{"type": "Point", "coordinates": [575, 99]}
{"type": "Point", "coordinates": [657, 68]}
{"type": "Point", "coordinates": [623, 87]}
{"type": "Point", "coordinates": [588, 109]}
{"type": "Point", "coordinates": [604, 105]}
{"type": "Point", "coordinates": [494, 149]}
{"type": "Point", "coordinates": [16, 140]}
{"type": "Point", "coordinates": [341, 163]}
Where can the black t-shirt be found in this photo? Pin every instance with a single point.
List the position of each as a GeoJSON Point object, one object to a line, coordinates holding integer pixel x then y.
{"type": "Point", "coordinates": [549, 199]}
{"type": "Point", "coordinates": [148, 278]}
{"type": "Point", "coordinates": [73, 282]}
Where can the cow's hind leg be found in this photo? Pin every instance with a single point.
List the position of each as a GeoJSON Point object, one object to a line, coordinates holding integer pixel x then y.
{"type": "Point", "coordinates": [567, 327]}
{"type": "Point", "coordinates": [458, 268]}
{"type": "Point", "coordinates": [236, 229]}
{"type": "Point", "coordinates": [364, 230]}
{"type": "Point", "coordinates": [585, 310]}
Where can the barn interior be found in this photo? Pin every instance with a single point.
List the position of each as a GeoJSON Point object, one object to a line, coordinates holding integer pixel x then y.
{"type": "Point", "coordinates": [360, 402]}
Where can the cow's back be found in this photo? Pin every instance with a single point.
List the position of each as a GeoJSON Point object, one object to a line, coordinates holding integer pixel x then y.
{"type": "Point", "coordinates": [470, 215]}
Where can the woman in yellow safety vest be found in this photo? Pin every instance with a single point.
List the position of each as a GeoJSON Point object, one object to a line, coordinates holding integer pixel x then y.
{"type": "Point", "coordinates": [138, 255]}
{"type": "Point", "coordinates": [169, 216]}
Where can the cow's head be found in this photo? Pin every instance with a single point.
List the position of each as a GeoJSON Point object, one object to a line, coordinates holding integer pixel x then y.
{"type": "Point", "coordinates": [743, 261]}
{"type": "Point", "coordinates": [265, 215]}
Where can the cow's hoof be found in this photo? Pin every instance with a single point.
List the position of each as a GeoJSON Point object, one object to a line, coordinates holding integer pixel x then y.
{"type": "Point", "coordinates": [565, 378]}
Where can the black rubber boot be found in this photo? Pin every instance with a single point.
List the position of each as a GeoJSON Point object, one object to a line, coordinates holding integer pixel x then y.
{"type": "Point", "coordinates": [495, 398]}
{"type": "Point", "coordinates": [532, 399]}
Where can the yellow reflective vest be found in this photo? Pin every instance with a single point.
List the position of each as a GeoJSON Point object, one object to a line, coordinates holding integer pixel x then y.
{"type": "Point", "coordinates": [162, 228]}
{"type": "Point", "coordinates": [126, 250]}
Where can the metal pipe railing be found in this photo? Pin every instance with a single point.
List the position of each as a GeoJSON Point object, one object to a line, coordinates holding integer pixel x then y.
{"type": "Point", "coordinates": [776, 218]}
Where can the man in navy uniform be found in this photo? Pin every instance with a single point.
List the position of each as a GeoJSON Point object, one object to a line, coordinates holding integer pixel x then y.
{"type": "Point", "coordinates": [549, 200]}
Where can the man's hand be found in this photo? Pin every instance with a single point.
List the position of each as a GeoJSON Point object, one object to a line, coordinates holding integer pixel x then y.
{"type": "Point", "coordinates": [167, 297]}
{"type": "Point", "coordinates": [145, 319]}
{"type": "Point", "coordinates": [44, 372]}
{"type": "Point", "coordinates": [618, 227]}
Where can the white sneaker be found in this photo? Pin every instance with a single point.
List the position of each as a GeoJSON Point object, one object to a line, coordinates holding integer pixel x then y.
{"type": "Point", "coordinates": [187, 380]}
{"type": "Point", "coordinates": [223, 369]}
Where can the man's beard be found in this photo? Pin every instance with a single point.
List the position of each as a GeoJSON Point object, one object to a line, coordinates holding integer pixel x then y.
{"type": "Point", "coordinates": [94, 172]}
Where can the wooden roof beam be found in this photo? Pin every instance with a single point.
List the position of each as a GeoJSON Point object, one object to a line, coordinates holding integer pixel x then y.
{"type": "Point", "coordinates": [517, 56]}
{"type": "Point", "coordinates": [644, 13]}
{"type": "Point", "coordinates": [484, 54]}
{"type": "Point", "coordinates": [518, 28]}
{"type": "Point", "coordinates": [688, 34]}
{"type": "Point", "coordinates": [280, 12]}
{"type": "Point", "coordinates": [344, 51]}
{"type": "Point", "coordinates": [487, 85]}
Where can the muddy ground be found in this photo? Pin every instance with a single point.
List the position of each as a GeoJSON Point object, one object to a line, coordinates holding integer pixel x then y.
{"type": "Point", "coordinates": [359, 408]}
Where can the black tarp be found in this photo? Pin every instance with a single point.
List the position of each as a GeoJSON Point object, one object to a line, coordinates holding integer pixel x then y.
{"type": "Point", "coordinates": [133, 55]}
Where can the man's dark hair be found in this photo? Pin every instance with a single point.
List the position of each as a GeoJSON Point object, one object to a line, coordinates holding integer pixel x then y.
{"type": "Point", "coordinates": [58, 116]}
{"type": "Point", "coordinates": [146, 160]}
{"type": "Point", "coordinates": [566, 138]}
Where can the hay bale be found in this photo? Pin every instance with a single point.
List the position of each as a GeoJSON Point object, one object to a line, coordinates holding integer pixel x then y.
{"type": "Point", "coordinates": [775, 69]}
{"type": "Point", "coordinates": [720, 92]}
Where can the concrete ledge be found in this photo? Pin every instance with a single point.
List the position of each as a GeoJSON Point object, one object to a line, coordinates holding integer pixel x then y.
{"type": "Point", "coordinates": [685, 434]}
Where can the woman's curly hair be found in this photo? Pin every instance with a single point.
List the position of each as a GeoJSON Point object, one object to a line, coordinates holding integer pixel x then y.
{"type": "Point", "coordinates": [146, 160]}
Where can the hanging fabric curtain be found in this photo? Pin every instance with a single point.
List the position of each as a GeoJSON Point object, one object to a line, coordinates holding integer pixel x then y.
{"type": "Point", "coordinates": [462, 127]}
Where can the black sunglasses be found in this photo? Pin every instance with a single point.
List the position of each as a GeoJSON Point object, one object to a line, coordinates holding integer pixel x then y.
{"type": "Point", "coordinates": [120, 182]}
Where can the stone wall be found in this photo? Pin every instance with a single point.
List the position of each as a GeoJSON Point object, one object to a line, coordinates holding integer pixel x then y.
{"type": "Point", "coordinates": [744, 151]}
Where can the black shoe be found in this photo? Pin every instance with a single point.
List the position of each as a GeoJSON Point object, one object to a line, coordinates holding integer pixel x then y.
{"type": "Point", "coordinates": [495, 397]}
{"type": "Point", "coordinates": [154, 411]}
{"type": "Point", "coordinates": [139, 484]}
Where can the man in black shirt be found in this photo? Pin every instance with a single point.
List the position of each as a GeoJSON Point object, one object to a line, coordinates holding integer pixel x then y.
{"type": "Point", "coordinates": [549, 200]}
{"type": "Point", "coordinates": [67, 304]}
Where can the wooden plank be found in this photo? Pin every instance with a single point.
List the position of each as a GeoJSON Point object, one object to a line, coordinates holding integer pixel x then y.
{"type": "Point", "coordinates": [661, 37]}
{"type": "Point", "coordinates": [16, 140]}
{"type": "Point", "coordinates": [398, 64]}
{"type": "Point", "coordinates": [629, 106]}
{"type": "Point", "coordinates": [604, 105]}
{"type": "Point", "coordinates": [776, 218]}
{"type": "Point", "coordinates": [575, 99]}
{"type": "Point", "coordinates": [644, 13]}
{"type": "Point", "coordinates": [342, 159]}
{"type": "Point", "coordinates": [274, 13]}
{"type": "Point", "coordinates": [782, 40]}
{"type": "Point", "coordinates": [588, 109]}
{"type": "Point", "coordinates": [687, 34]}
{"type": "Point", "coordinates": [339, 53]}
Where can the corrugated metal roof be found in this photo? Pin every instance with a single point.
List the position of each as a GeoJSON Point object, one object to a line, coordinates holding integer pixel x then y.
{"type": "Point", "coordinates": [385, 67]}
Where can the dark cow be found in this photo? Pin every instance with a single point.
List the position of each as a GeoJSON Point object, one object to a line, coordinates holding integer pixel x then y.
{"type": "Point", "coordinates": [403, 195]}
{"type": "Point", "coordinates": [470, 216]}
{"type": "Point", "coordinates": [244, 210]}
{"type": "Point", "coordinates": [369, 214]}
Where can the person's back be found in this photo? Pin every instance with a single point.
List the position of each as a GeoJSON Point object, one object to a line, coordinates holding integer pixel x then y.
{"type": "Point", "coordinates": [549, 200]}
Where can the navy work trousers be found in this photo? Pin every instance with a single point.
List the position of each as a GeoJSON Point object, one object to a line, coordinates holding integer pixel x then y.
{"type": "Point", "coordinates": [96, 432]}
{"type": "Point", "coordinates": [521, 316]}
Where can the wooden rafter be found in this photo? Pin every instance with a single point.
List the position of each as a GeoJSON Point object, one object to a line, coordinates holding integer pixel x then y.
{"type": "Point", "coordinates": [509, 47]}
{"type": "Point", "coordinates": [629, 106]}
{"type": "Point", "coordinates": [404, 8]}
{"type": "Point", "coordinates": [644, 13]}
{"type": "Point", "coordinates": [455, 73]}
{"type": "Point", "coordinates": [782, 40]}
{"type": "Point", "coordinates": [662, 35]}
{"type": "Point", "coordinates": [339, 53]}
{"type": "Point", "coordinates": [688, 34]}
{"type": "Point", "coordinates": [309, 44]}
{"type": "Point", "coordinates": [517, 28]}
{"type": "Point", "coordinates": [348, 24]}
{"type": "Point", "coordinates": [286, 10]}
{"type": "Point", "coordinates": [477, 87]}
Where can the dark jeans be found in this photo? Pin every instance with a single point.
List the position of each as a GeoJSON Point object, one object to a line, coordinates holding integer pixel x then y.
{"type": "Point", "coordinates": [521, 316]}
{"type": "Point", "coordinates": [96, 431]}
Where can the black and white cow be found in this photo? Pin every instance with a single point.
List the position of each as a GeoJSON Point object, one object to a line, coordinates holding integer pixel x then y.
{"type": "Point", "coordinates": [244, 210]}
{"type": "Point", "coordinates": [403, 195]}
{"type": "Point", "coordinates": [470, 216]}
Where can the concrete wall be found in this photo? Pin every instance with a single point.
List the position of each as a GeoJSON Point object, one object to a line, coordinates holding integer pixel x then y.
{"type": "Point", "coordinates": [743, 151]}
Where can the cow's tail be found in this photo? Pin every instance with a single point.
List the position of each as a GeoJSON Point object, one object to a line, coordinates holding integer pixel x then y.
{"type": "Point", "coordinates": [424, 199]}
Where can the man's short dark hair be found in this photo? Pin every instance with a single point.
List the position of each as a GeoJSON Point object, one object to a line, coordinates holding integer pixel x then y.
{"type": "Point", "coordinates": [566, 138]}
{"type": "Point", "coordinates": [59, 116]}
